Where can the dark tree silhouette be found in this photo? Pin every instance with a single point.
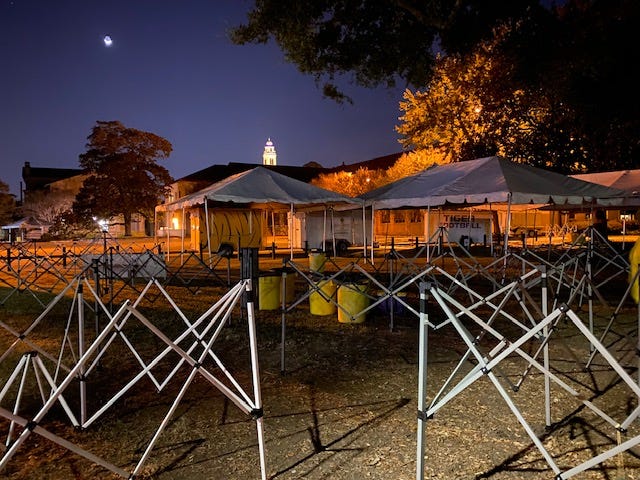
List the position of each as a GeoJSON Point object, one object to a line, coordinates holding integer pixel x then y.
{"type": "Point", "coordinates": [7, 203]}
{"type": "Point", "coordinates": [123, 174]}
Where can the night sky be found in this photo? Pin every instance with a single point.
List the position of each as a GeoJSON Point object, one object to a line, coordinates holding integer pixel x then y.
{"type": "Point", "coordinates": [171, 70]}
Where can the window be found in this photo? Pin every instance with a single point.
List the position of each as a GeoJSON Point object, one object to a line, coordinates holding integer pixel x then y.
{"type": "Point", "coordinates": [399, 216]}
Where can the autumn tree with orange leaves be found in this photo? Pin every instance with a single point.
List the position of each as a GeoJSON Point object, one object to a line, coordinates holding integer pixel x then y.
{"type": "Point", "coordinates": [351, 184]}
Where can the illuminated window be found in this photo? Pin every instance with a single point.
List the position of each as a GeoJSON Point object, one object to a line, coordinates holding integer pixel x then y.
{"type": "Point", "coordinates": [415, 216]}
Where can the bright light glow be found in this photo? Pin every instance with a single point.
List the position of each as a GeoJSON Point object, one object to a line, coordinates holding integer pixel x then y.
{"type": "Point", "coordinates": [175, 223]}
{"type": "Point", "coordinates": [107, 41]}
{"type": "Point", "coordinates": [103, 224]}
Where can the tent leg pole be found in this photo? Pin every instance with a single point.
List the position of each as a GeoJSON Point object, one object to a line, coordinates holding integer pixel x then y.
{"type": "Point", "coordinates": [255, 371]}
{"type": "Point", "coordinates": [182, 237]}
{"type": "Point", "coordinates": [372, 231]}
{"type": "Point", "coordinates": [283, 329]}
{"type": "Point", "coordinates": [422, 381]}
{"type": "Point", "coordinates": [291, 234]}
{"type": "Point", "coordinates": [206, 221]}
{"type": "Point", "coordinates": [364, 232]}
{"type": "Point", "coordinates": [168, 237]}
{"type": "Point", "coordinates": [426, 233]}
{"type": "Point", "coordinates": [545, 331]}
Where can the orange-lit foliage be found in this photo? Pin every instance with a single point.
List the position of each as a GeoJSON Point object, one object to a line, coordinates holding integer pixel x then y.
{"type": "Point", "coordinates": [352, 184]}
{"type": "Point", "coordinates": [413, 162]}
{"type": "Point", "coordinates": [474, 107]}
{"type": "Point", "coordinates": [363, 180]}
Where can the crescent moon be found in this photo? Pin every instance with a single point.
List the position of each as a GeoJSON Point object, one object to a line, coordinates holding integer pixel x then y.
{"type": "Point", "coordinates": [107, 41]}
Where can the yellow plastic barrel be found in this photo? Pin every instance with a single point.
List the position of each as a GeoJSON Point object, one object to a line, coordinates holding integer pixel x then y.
{"type": "Point", "coordinates": [317, 261]}
{"type": "Point", "coordinates": [317, 304]}
{"type": "Point", "coordinates": [352, 300]}
{"type": "Point", "coordinates": [634, 260]}
{"type": "Point", "coordinates": [269, 292]}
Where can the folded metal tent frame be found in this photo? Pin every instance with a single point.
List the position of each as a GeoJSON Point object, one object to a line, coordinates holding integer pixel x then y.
{"type": "Point", "coordinates": [487, 363]}
{"type": "Point", "coordinates": [201, 334]}
{"type": "Point", "coordinates": [403, 273]}
{"type": "Point", "coordinates": [256, 188]}
{"type": "Point", "coordinates": [455, 310]}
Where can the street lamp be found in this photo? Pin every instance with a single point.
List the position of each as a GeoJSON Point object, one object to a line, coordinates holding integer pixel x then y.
{"type": "Point", "coordinates": [104, 228]}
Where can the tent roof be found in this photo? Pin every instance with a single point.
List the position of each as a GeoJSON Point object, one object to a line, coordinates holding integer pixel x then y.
{"type": "Point", "coordinates": [26, 222]}
{"type": "Point", "coordinates": [627, 180]}
{"type": "Point", "coordinates": [262, 186]}
{"type": "Point", "coordinates": [492, 180]}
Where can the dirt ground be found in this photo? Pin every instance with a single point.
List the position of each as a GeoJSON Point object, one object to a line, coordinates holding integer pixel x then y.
{"type": "Point", "coordinates": [345, 407]}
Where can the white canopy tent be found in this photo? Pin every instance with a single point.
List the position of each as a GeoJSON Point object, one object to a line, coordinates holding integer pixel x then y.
{"type": "Point", "coordinates": [627, 180]}
{"type": "Point", "coordinates": [488, 181]}
{"type": "Point", "coordinates": [260, 187]}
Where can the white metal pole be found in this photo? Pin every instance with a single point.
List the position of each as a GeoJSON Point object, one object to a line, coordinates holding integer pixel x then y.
{"type": "Point", "coordinates": [422, 381]}
{"type": "Point", "coordinates": [168, 226]}
{"type": "Point", "coordinates": [545, 351]}
{"type": "Point", "coordinates": [491, 227]}
{"type": "Point", "coordinates": [333, 235]}
{"type": "Point", "coordinates": [81, 373]}
{"type": "Point", "coordinates": [373, 226]}
{"type": "Point", "coordinates": [427, 237]}
{"type": "Point", "coordinates": [507, 224]}
{"type": "Point", "coordinates": [16, 407]}
{"type": "Point", "coordinates": [291, 223]}
{"type": "Point", "coordinates": [206, 222]}
{"type": "Point", "coordinates": [364, 232]}
{"type": "Point", "coordinates": [182, 227]}
{"type": "Point", "coordinates": [324, 229]}
{"type": "Point", "coordinates": [255, 370]}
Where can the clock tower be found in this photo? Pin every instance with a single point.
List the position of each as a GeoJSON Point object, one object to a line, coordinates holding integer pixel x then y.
{"type": "Point", "coordinates": [269, 156]}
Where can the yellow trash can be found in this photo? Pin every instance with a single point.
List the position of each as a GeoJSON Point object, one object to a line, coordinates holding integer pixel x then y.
{"type": "Point", "coordinates": [317, 304]}
{"type": "Point", "coordinates": [269, 291]}
{"type": "Point", "coordinates": [317, 261]}
{"type": "Point", "coordinates": [352, 299]}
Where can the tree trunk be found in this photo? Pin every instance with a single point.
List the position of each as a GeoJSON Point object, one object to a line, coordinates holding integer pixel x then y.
{"type": "Point", "coordinates": [127, 224]}
{"type": "Point", "coordinates": [496, 223]}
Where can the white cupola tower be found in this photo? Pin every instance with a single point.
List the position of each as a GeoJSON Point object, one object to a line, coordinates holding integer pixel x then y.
{"type": "Point", "coordinates": [269, 156]}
